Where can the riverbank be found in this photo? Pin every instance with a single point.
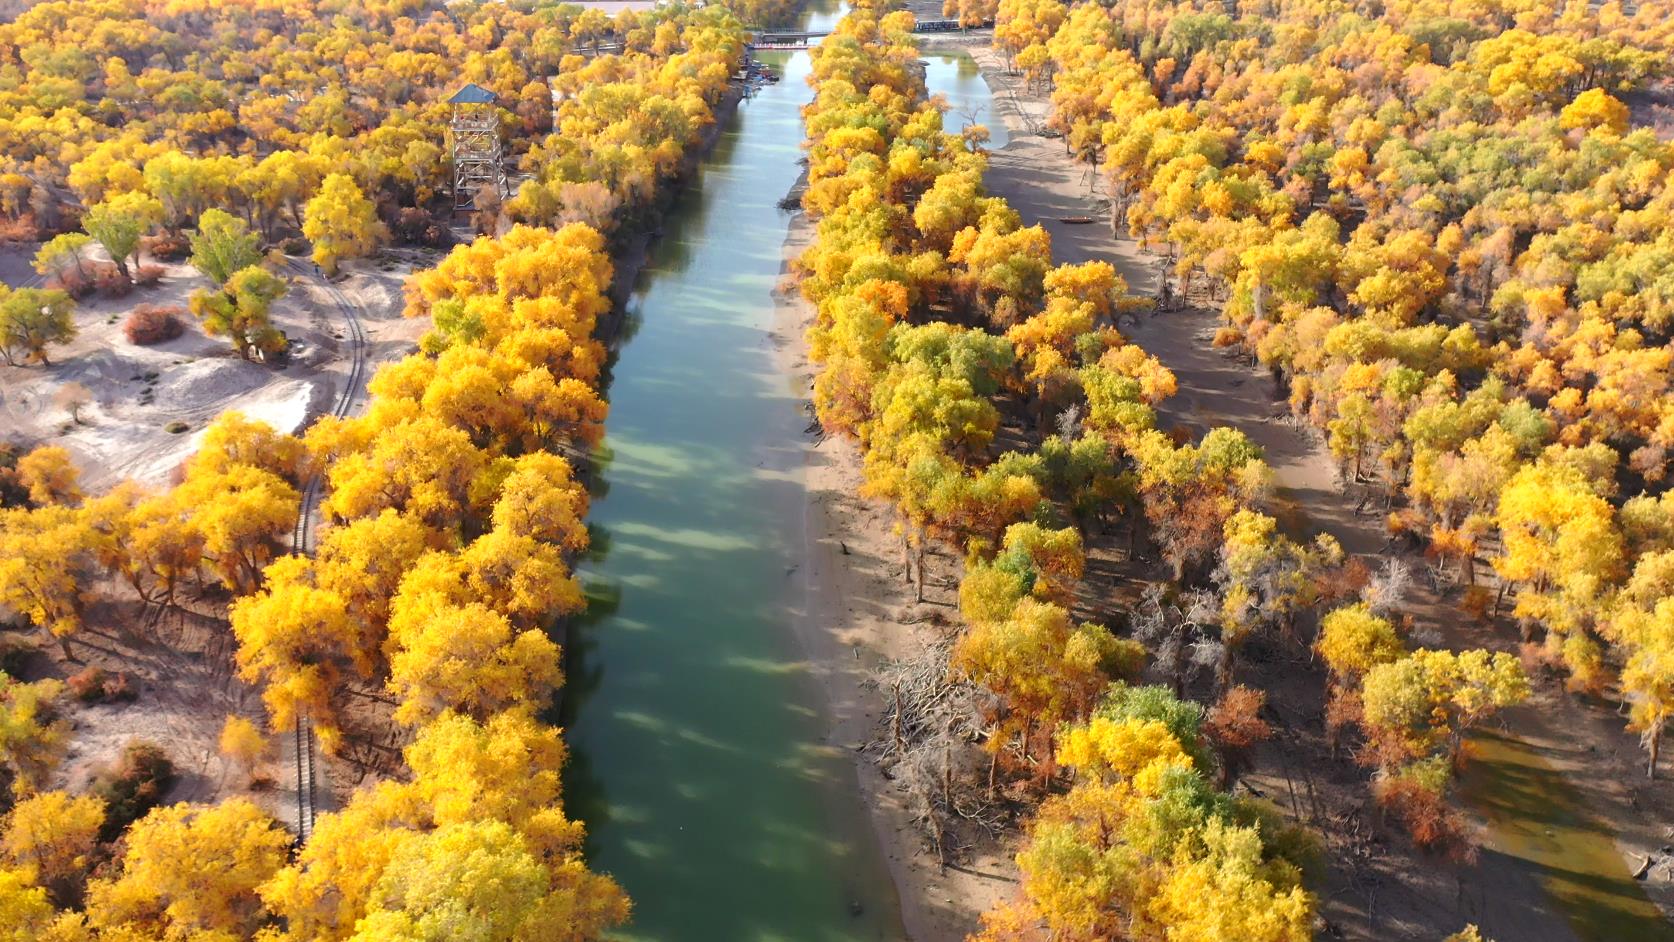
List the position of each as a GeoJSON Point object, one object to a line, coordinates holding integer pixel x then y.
{"type": "Point", "coordinates": [1574, 770]}
{"type": "Point", "coordinates": [857, 612]}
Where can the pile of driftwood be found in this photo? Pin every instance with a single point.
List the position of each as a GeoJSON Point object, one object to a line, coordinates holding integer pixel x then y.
{"type": "Point", "coordinates": [928, 744]}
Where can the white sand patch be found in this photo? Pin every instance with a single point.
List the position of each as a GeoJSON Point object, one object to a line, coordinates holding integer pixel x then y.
{"type": "Point", "coordinates": [202, 384]}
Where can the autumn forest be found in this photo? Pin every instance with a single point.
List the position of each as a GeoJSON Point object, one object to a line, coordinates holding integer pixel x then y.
{"type": "Point", "coordinates": [1154, 470]}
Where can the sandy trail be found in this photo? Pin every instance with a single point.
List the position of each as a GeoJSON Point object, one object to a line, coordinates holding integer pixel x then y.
{"type": "Point", "coordinates": [1583, 753]}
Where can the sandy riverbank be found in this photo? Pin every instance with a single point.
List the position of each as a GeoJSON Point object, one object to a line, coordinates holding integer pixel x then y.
{"type": "Point", "coordinates": [855, 612]}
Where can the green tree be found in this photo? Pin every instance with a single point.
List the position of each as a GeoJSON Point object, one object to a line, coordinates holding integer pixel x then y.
{"type": "Point", "coordinates": [239, 311]}
{"type": "Point", "coordinates": [63, 252]}
{"type": "Point", "coordinates": [119, 222]}
{"type": "Point", "coordinates": [223, 246]}
{"type": "Point", "coordinates": [30, 320]}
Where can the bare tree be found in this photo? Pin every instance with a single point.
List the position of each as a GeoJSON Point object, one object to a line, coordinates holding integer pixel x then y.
{"type": "Point", "coordinates": [1181, 629]}
{"type": "Point", "coordinates": [1384, 592]}
{"type": "Point", "coordinates": [72, 398]}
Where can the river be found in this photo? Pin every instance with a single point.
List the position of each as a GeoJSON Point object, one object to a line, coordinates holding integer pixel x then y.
{"type": "Point", "coordinates": [695, 730]}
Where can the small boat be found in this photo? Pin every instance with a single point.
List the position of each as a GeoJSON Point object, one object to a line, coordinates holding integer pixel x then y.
{"type": "Point", "coordinates": [1077, 220]}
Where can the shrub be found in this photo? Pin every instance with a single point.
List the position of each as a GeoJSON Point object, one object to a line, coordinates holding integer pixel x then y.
{"type": "Point", "coordinates": [1415, 797]}
{"type": "Point", "coordinates": [295, 245]}
{"type": "Point", "coordinates": [149, 324]}
{"type": "Point", "coordinates": [176, 427]}
{"type": "Point", "coordinates": [12, 492]}
{"type": "Point", "coordinates": [414, 226]}
{"type": "Point", "coordinates": [134, 786]}
{"type": "Point", "coordinates": [171, 247]}
{"type": "Point", "coordinates": [148, 275]}
{"type": "Point", "coordinates": [109, 282]}
{"type": "Point", "coordinates": [1478, 602]}
{"type": "Point", "coordinates": [97, 685]}
{"type": "Point", "coordinates": [21, 229]}
{"type": "Point", "coordinates": [72, 282]}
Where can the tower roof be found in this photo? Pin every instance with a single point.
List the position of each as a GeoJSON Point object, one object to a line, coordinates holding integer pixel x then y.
{"type": "Point", "coordinates": [472, 94]}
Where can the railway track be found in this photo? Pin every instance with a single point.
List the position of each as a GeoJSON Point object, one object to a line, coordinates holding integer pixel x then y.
{"type": "Point", "coordinates": [306, 798]}
{"type": "Point", "coordinates": [302, 539]}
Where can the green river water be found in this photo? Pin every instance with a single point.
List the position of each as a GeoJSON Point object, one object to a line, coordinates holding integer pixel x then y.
{"type": "Point", "coordinates": [696, 733]}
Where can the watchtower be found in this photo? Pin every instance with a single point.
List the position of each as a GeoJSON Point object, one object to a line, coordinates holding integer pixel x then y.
{"type": "Point", "coordinates": [478, 155]}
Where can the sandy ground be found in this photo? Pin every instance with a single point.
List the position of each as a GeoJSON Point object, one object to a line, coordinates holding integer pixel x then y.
{"type": "Point", "coordinates": [136, 392]}
{"type": "Point", "coordinates": [1377, 888]}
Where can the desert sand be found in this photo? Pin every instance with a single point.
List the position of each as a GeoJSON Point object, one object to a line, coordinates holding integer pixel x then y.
{"type": "Point", "coordinates": [137, 392]}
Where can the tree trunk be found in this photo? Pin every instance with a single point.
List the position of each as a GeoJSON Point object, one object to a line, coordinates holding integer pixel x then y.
{"type": "Point", "coordinates": [895, 723]}
{"type": "Point", "coordinates": [1656, 746]}
{"type": "Point", "coordinates": [918, 557]}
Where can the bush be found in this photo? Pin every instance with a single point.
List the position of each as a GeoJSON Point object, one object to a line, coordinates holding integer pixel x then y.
{"type": "Point", "coordinates": [19, 230]}
{"type": "Point", "coordinates": [134, 786]}
{"type": "Point", "coordinates": [176, 427]}
{"type": "Point", "coordinates": [148, 275]}
{"type": "Point", "coordinates": [12, 493]}
{"type": "Point", "coordinates": [243, 744]}
{"type": "Point", "coordinates": [109, 282]}
{"type": "Point", "coordinates": [1415, 796]}
{"type": "Point", "coordinates": [167, 246]}
{"type": "Point", "coordinates": [72, 282]}
{"type": "Point", "coordinates": [414, 226]}
{"type": "Point", "coordinates": [295, 245]}
{"type": "Point", "coordinates": [97, 685]}
{"type": "Point", "coordinates": [149, 324]}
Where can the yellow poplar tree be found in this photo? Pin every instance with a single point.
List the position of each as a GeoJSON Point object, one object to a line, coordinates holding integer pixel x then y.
{"type": "Point", "coordinates": [341, 222]}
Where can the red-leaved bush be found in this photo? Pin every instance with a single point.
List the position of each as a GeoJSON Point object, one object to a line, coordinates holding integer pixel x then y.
{"type": "Point", "coordinates": [109, 281]}
{"type": "Point", "coordinates": [168, 246]}
{"type": "Point", "coordinates": [149, 324]}
{"type": "Point", "coordinates": [72, 282]}
{"type": "Point", "coordinates": [97, 685]}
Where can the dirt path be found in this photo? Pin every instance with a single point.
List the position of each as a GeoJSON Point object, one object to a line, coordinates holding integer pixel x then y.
{"type": "Point", "coordinates": [1567, 804]}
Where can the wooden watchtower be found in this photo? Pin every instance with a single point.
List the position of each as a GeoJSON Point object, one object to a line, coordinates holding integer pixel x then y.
{"type": "Point", "coordinates": [478, 153]}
